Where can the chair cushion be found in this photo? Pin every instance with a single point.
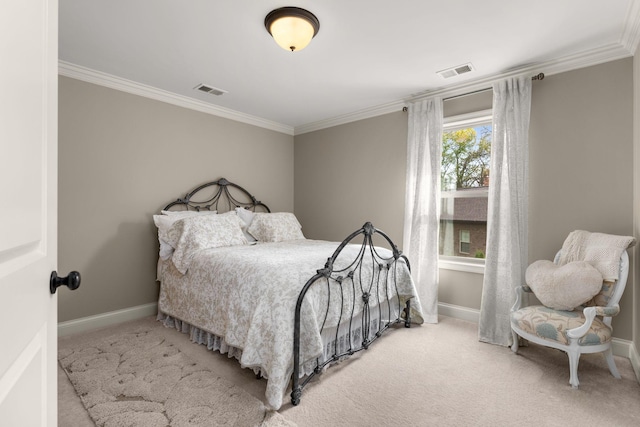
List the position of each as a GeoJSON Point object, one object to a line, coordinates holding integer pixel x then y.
{"type": "Point", "coordinates": [552, 325]}
{"type": "Point", "coordinates": [563, 287]}
{"type": "Point", "coordinates": [603, 297]}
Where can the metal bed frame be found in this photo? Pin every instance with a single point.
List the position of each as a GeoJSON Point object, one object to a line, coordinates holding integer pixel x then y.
{"type": "Point", "coordinates": [233, 198]}
{"type": "Point", "coordinates": [346, 280]}
{"type": "Point", "coordinates": [340, 282]}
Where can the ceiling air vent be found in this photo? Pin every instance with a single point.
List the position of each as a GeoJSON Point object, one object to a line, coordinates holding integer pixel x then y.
{"type": "Point", "coordinates": [210, 89]}
{"type": "Point", "coordinates": [456, 71]}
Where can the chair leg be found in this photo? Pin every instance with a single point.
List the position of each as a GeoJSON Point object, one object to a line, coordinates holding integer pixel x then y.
{"type": "Point", "coordinates": [608, 355]}
{"type": "Point", "coordinates": [574, 358]}
{"type": "Point", "coordinates": [516, 338]}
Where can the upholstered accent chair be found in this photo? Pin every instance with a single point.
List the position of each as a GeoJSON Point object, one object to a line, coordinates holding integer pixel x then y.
{"type": "Point", "coordinates": [586, 329]}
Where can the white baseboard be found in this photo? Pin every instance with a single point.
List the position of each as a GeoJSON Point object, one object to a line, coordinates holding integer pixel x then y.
{"type": "Point", "coordinates": [106, 319]}
{"type": "Point", "coordinates": [635, 361]}
{"type": "Point", "coordinates": [620, 347]}
{"type": "Point", "coordinates": [459, 312]}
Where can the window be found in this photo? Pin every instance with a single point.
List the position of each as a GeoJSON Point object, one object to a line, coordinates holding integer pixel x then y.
{"type": "Point", "coordinates": [465, 177]}
{"type": "Point", "coordinates": [465, 242]}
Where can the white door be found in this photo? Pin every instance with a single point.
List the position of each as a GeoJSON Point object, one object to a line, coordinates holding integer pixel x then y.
{"type": "Point", "coordinates": [28, 211]}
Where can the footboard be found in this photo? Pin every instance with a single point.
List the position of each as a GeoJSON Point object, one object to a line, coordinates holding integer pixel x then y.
{"type": "Point", "coordinates": [363, 291]}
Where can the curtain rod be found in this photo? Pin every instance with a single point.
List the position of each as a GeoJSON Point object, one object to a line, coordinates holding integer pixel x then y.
{"type": "Point", "coordinates": [539, 76]}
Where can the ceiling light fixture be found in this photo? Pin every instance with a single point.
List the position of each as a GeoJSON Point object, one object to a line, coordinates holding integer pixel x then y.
{"type": "Point", "coordinates": [292, 27]}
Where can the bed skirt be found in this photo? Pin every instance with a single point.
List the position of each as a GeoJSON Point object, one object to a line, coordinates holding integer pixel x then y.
{"type": "Point", "coordinates": [211, 341]}
{"type": "Point", "coordinates": [344, 339]}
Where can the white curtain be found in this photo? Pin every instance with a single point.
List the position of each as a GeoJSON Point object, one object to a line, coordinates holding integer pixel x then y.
{"type": "Point", "coordinates": [506, 260]}
{"type": "Point", "coordinates": [422, 201]}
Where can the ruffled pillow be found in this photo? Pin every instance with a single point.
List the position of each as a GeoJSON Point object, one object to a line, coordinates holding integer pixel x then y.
{"type": "Point", "coordinates": [193, 234]}
{"type": "Point", "coordinates": [165, 221]}
{"type": "Point", "coordinates": [563, 287]}
{"type": "Point", "coordinates": [275, 227]}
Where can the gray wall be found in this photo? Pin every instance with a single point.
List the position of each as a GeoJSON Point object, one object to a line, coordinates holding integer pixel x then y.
{"type": "Point", "coordinates": [350, 174]}
{"type": "Point", "coordinates": [581, 172]}
{"type": "Point", "coordinates": [581, 157]}
{"type": "Point", "coordinates": [121, 159]}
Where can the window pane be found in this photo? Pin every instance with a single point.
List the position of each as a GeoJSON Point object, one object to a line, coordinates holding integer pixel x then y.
{"type": "Point", "coordinates": [465, 242]}
{"type": "Point", "coordinates": [465, 188]}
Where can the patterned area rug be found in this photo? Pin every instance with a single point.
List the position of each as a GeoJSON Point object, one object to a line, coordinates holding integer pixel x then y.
{"type": "Point", "coordinates": [139, 379]}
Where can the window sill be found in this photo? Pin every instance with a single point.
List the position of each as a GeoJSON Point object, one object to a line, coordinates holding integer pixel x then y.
{"type": "Point", "coordinates": [461, 265]}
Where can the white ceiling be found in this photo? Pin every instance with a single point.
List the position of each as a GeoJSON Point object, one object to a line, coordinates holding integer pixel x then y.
{"type": "Point", "coordinates": [367, 54]}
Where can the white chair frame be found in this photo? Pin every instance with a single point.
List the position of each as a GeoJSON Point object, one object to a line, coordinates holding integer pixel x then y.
{"type": "Point", "coordinates": [574, 349]}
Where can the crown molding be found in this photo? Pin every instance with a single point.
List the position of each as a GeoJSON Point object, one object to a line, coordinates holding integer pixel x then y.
{"type": "Point", "coordinates": [630, 40]}
{"type": "Point", "coordinates": [366, 113]}
{"type": "Point", "coordinates": [77, 72]}
{"type": "Point", "coordinates": [611, 52]}
{"type": "Point", "coordinates": [631, 33]}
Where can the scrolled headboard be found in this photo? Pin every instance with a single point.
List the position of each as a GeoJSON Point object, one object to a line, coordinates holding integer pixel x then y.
{"type": "Point", "coordinates": [221, 195]}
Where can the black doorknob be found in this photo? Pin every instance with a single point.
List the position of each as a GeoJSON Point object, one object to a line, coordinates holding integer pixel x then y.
{"type": "Point", "coordinates": [72, 281]}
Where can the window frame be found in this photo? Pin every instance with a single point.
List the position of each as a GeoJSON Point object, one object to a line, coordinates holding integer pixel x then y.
{"type": "Point", "coordinates": [456, 263]}
{"type": "Point", "coordinates": [467, 241]}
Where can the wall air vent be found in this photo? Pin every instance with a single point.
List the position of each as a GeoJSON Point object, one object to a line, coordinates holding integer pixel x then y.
{"type": "Point", "coordinates": [456, 71]}
{"type": "Point", "coordinates": [210, 89]}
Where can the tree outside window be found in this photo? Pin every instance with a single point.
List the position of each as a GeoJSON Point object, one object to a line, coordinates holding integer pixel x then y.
{"type": "Point", "coordinates": [465, 177]}
{"type": "Point", "coordinates": [466, 155]}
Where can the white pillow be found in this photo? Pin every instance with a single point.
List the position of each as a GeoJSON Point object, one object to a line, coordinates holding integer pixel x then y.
{"type": "Point", "coordinates": [165, 221]}
{"type": "Point", "coordinates": [189, 235]}
{"type": "Point", "coordinates": [275, 227]}
{"type": "Point", "coordinates": [246, 216]}
{"type": "Point", "coordinates": [563, 287]}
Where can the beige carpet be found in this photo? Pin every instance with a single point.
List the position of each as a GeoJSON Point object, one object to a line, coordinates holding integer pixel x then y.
{"type": "Point", "coordinates": [432, 375]}
{"type": "Point", "coordinates": [138, 378]}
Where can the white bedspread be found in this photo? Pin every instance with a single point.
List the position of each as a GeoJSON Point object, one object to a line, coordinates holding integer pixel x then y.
{"type": "Point", "coordinates": [247, 295]}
